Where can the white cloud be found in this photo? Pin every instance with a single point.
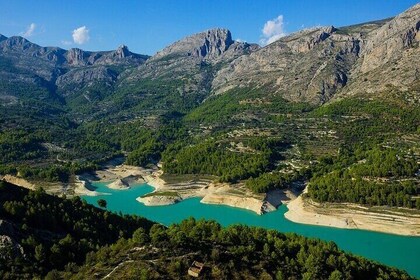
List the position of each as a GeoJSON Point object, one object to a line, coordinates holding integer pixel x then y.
{"type": "Point", "coordinates": [273, 30]}
{"type": "Point", "coordinates": [29, 31]}
{"type": "Point", "coordinates": [66, 43]}
{"type": "Point", "coordinates": [81, 35]}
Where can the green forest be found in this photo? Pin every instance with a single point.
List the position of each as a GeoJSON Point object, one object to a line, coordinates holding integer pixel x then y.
{"type": "Point", "coordinates": [372, 167]}
{"type": "Point", "coordinates": [374, 177]}
{"type": "Point", "coordinates": [220, 159]}
{"type": "Point", "coordinates": [54, 231]}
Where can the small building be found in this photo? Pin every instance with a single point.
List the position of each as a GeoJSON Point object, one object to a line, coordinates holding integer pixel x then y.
{"type": "Point", "coordinates": [195, 269]}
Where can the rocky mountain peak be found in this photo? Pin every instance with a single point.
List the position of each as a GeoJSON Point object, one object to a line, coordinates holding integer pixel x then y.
{"type": "Point", "coordinates": [209, 44]}
{"type": "Point", "coordinates": [217, 41]}
{"type": "Point", "coordinates": [122, 51]}
{"type": "Point", "coordinates": [17, 43]}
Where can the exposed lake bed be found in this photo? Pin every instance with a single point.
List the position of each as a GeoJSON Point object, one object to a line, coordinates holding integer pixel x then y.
{"type": "Point", "coordinates": [171, 189]}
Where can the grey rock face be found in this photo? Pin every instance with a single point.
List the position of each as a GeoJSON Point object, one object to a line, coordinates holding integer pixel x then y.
{"type": "Point", "coordinates": [387, 42]}
{"type": "Point", "coordinates": [307, 66]}
{"type": "Point", "coordinates": [390, 56]}
{"type": "Point", "coordinates": [85, 76]}
{"type": "Point", "coordinates": [121, 56]}
{"type": "Point", "coordinates": [317, 64]}
{"type": "Point", "coordinates": [313, 65]}
{"type": "Point", "coordinates": [21, 49]}
{"type": "Point", "coordinates": [18, 43]}
{"type": "Point", "coordinates": [122, 52]}
{"type": "Point", "coordinates": [76, 57]}
{"type": "Point", "coordinates": [206, 45]}
{"type": "Point", "coordinates": [193, 60]}
{"type": "Point", "coordinates": [306, 40]}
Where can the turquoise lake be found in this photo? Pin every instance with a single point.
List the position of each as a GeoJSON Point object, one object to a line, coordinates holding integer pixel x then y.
{"type": "Point", "coordinates": [398, 251]}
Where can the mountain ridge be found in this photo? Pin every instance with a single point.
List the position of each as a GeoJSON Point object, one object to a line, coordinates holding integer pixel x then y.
{"type": "Point", "coordinates": [336, 62]}
{"type": "Point", "coordinates": [312, 65]}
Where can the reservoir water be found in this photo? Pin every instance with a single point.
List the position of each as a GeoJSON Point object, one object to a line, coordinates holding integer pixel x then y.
{"type": "Point", "coordinates": [394, 250]}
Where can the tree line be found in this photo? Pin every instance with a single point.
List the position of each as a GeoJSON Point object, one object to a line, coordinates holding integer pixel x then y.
{"type": "Point", "coordinates": [54, 231]}
{"type": "Point", "coordinates": [234, 252]}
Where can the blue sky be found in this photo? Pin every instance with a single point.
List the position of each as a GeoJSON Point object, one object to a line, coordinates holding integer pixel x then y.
{"type": "Point", "coordinates": [148, 26]}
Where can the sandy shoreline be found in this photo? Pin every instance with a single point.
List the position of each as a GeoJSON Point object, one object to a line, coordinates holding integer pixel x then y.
{"type": "Point", "coordinates": [210, 192]}
{"type": "Point", "coordinates": [300, 209]}
{"type": "Point", "coordinates": [351, 216]}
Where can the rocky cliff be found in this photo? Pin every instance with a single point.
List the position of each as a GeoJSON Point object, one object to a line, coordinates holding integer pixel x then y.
{"type": "Point", "coordinates": [210, 44]}
{"type": "Point", "coordinates": [193, 59]}
{"type": "Point", "coordinates": [313, 65]}
{"type": "Point", "coordinates": [310, 65]}
{"type": "Point", "coordinates": [390, 57]}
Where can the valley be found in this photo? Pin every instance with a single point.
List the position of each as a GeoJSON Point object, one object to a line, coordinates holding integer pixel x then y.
{"type": "Point", "coordinates": [319, 129]}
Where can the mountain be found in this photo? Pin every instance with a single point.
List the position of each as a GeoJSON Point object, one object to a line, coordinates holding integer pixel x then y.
{"type": "Point", "coordinates": [55, 72]}
{"type": "Point", "coordinates": [23, 49]}
{"type": "Point", "coordinates": [310, 65]}
{"type": "Point", "coordinates": [210, 78]}
{"type": "Point", "coordinates": [313, 65]}
{"type": "Point", "coordinates": [390, 56]}
{"type": "Point", "coordinates": [192, 62]}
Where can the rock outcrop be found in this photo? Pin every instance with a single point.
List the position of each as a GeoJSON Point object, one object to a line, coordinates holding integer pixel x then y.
{"type": "Point", "coordinates": [77, 57]}
{"type": "Point", "coordinates": [119, 184]}
{"type": "Point", "coordinates": [205, 45]}
{"type": "Point", "coordinates": [9, 248]}
{"type": "Point", "coordinates": [211, 46]}
{"type": "Point", "coordinates": [191, 62]}
{"type": "Point", "coordinates": [159, 200]}
{"type": "Point", "coordinates": [77, 79]}
{"type": "Point", "coordinates": [388, 42]}
{"type": "Point", "coordinates": [306, 40]}
{"type": "Point", "coordinates": [248, 203]}
{"type": "Point", "coordinates": [18, 181]}
{"type": "Point", "coordinates": [389, 58]}
{"type": "Point", "coordinates": [122, 52]}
